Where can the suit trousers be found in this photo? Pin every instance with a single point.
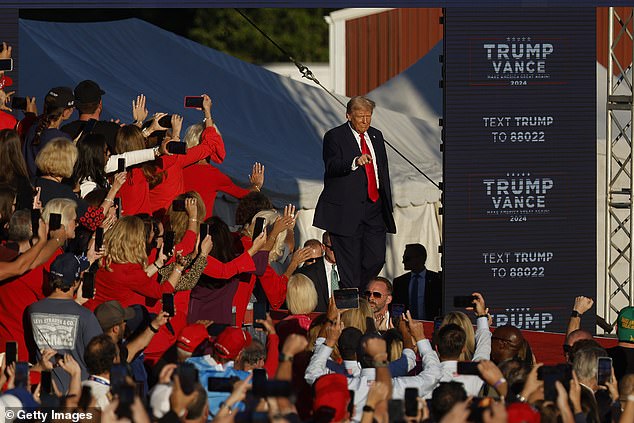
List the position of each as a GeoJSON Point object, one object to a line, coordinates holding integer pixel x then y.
{"type": "Point", "coordinates": [361, 256]}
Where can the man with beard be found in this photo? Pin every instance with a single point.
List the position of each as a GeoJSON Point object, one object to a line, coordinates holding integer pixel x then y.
{"type": "Point", "coordinates": [57, 322]}
{"type": "Point", "coordinates": [379, 295]}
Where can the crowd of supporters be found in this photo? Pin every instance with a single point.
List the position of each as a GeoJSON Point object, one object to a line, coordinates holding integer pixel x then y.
{"type": "Point", "coordinates": [123, 296]}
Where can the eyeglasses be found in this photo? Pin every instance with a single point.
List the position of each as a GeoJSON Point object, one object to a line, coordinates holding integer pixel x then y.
{"type": "Point", "coordinates": [374, 294]}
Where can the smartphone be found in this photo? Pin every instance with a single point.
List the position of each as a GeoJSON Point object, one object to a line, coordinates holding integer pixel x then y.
{"type": "Point", "coordinates": [477, 407]}
{"type": "Point", "coordinates": [36, 214]}
{"type": "Point", "coordinates": [188, 376]}
{"type": "Point", "coordinates": [11, 352]}
{"type": "Point", "coordinates": [18, 103]}
{"type": "Point", "coordinates": [194, 102]}
{"type": "Point", "coordinates": [6, 64]}
{"type": "Point", "coordinates": [258, 383]}
{"type": "Point", "coordinates": [46, 382]}
{"type": "Point", "coordinates": [604, 371]}
{"type": "Point", "coordinates": [118, 375]}
{"type": "Point", "coordinates": [550, 390]}
{"type": "Point", "coordinates": [463, 301]}
{"type": "Point", "coordinates": [98, 238]}
{"type": "Point", "coordinates": [259, 313]}
{"type": "Point", "coordinates": [21, 374]}
{"type": "Point", "coordinates": [411, 402]}
{"type": "Point", "coordinates": [178, 205]}
{"type": "Point", "coordinates": [395, 411]}
{"type": "Point", "coordinates": [177, 147]}
{"type": "Point", "coordinates": [88, 285]}
{"type": "Point", "coordinates": [117, 205]}
{"type": "Point", "coordinates": [204, 231]}
{"type": "Point", "coordinates": [221, 384]}
{"type": "Point", "coordinates": [168, 242]}
{"type": "Point", "coordinates": [168, 304]}
{"type": "Point", "coordinates": [437, 323]}
{"type": "Point", "coordinates": [121, 164]}
{"type": "Point", "coordinates": [166, 121]}
{"type": "Point", "coordinates": [54, 221]}
{"type": "Point", "coordinates": [397, 311]}
{"type": "Point", "coordinates": [468, 368]}
{"type": "Point", "coordinates": [258, 227]}
{"type": "Point", "coordinates": [346, 298]}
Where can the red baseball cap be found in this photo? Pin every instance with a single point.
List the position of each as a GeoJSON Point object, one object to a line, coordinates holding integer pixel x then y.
{"type": "Point", "coordinates": [5, 81]}
{"type": "Point", "coordinates": [331, 391]}
{"type": "Point", "coordinates": [231, 341]}
{"type": "Point", "coordinates": [191, 336]}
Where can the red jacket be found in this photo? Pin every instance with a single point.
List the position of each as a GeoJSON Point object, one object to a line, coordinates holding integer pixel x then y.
{"type": "Point", "coordinates": [161, 196]}
{"type": "Point", "coordinates": [207, 180]}
{"type": "Point", "coordinates": [127, 283]}
{"type": "Point", "coordinates": [135, 194]}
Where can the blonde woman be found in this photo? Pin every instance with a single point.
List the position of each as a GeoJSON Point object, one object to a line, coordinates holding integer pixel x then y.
{"type": "Point", "coordinates": [478, 343]}
{"type": "Point", "coordinates": [358, 317]}
{"type": "Point", "coordinates": [123, 275]}
{"type": "Point", "coordinates": [301, 299]}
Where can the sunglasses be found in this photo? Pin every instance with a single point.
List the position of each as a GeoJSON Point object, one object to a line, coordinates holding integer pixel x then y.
{"type": "Point", "coordinates": [374, 294]}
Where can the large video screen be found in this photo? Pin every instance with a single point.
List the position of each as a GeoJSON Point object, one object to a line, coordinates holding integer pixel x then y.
{"type": "Point", "coordinates": [520, 162]}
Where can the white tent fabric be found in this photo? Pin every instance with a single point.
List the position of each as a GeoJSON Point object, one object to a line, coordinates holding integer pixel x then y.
{"type": "Point", "coordinates": [262, 116]}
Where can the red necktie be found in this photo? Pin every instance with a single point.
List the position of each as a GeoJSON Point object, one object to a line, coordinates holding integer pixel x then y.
{"type": "Point", "coordinates": [373, 191]}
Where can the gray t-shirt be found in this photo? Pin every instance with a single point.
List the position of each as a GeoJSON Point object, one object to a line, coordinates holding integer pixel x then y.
{"type": "Point", "coordinates": [64, 326]}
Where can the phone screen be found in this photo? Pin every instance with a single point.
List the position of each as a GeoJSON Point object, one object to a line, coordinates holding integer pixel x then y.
{"type": "Point", "coordinates": [46, 383]}
{"type": "Point", "coordinates": [221, 384]}
{"type": "Point", "coordinates": [121, 164]}
{"type": "Point", "coordinates": [35, 221]}
{"type": "Point", "coordinates": [88, 285]}
{"type": "Point", "coordinates": [11, 349]}
{"type": "Point", "coordinates": [468, 368]}
{"type": "Point", "coordinates": [397, 310]}
{"type": "Point", "coordinates": [604, 370]}
{"type": "Point", "coordinates": [411, 402]}
{"type": "Point", "coordinates": [98, 238]}
{"type": "Point", "coordinates": [178, 205]}
{"type": "Point", "coordinates": [166, 121]}
{"type": "Point", "coordinates": [168, 242]}
{"type": "Point", "coordinates": [258, 383]}
{"type": "Point", "coordinates": [18, 103]}
{"type": "Point", "coordinates": [346, 298]}
{"type": "Point", "coordinates": [21, 374]}
{"type": "Point", "coordinates": [176, 147]}
{"type": "Point", "coordinates": [463, 301]}
{"type": "Point", "coordinates": [6, 64]}
{"type": "Point", "coordinates": [54, 221]}
{"type": "Point", "coordinates": [258, 227]}
{"type": "Point", "coordinates": [117, 204]}
{"type": "Point", "coordinates": [168, 304]}
{"type": "Point", "coordinates": [194, 102]}
{"type": "Point", "coordinates": [259, 313]}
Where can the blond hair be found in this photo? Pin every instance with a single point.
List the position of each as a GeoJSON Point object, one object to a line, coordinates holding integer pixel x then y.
{"type": "Point", "coordinates": [179, 220]}
{"type": "Point", "coordinates": [270, 216]}
{"type": "Point", "coordinates": [125, 242]}
{"type": "Point", "coordinates": [64, 206]}
{"type": "Point", "coordinates": [57, 158]}
{"type": "Point", "coordinates": [301, 295]}
{"type": "Point", "coordinates": [356, 317]}
{"type": "Point", "coordinates": [192, 135]}
{"type": "Point", "coordinates": [461, 319]}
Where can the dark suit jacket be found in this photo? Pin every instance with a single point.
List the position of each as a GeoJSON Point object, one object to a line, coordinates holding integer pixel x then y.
{"type": "Point", "coordinates": [317, 273]}
{"type": "Point", "coordinates": [341, 202]}
{"type": "Point", "coordinates": [433, 293]}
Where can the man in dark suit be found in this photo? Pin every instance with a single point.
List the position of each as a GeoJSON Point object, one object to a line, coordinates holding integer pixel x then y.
{"type": "Point", "coordinates": [420, 290]}
{"type": "Point", "coordinates": [323, 273]}
{"type": "Point", "coordinates": [355, 205]}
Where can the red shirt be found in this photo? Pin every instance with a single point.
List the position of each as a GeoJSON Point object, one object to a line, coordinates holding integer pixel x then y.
{"type": "Point", "coordinates": [135, 194]}
{"type": "Point", "coordinates": [15, 296]}
{"type": "Point", "coordinates": [7, 121]}
{"type": "Point", "coordinates": [127, 283]}
{"type": "Point", "coordinates": [207, 180]}
{"type": "Point", "coordinates": [161, 196]}
{"type": "Point", "coordinates": [274, 286]}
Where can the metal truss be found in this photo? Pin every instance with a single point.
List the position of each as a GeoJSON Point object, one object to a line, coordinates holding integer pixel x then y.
{"type": "Point", "coordinates": [619, 213]}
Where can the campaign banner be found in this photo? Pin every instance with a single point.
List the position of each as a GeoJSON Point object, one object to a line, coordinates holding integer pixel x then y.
{"type": "Point", "coordinates": [520, 162]}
